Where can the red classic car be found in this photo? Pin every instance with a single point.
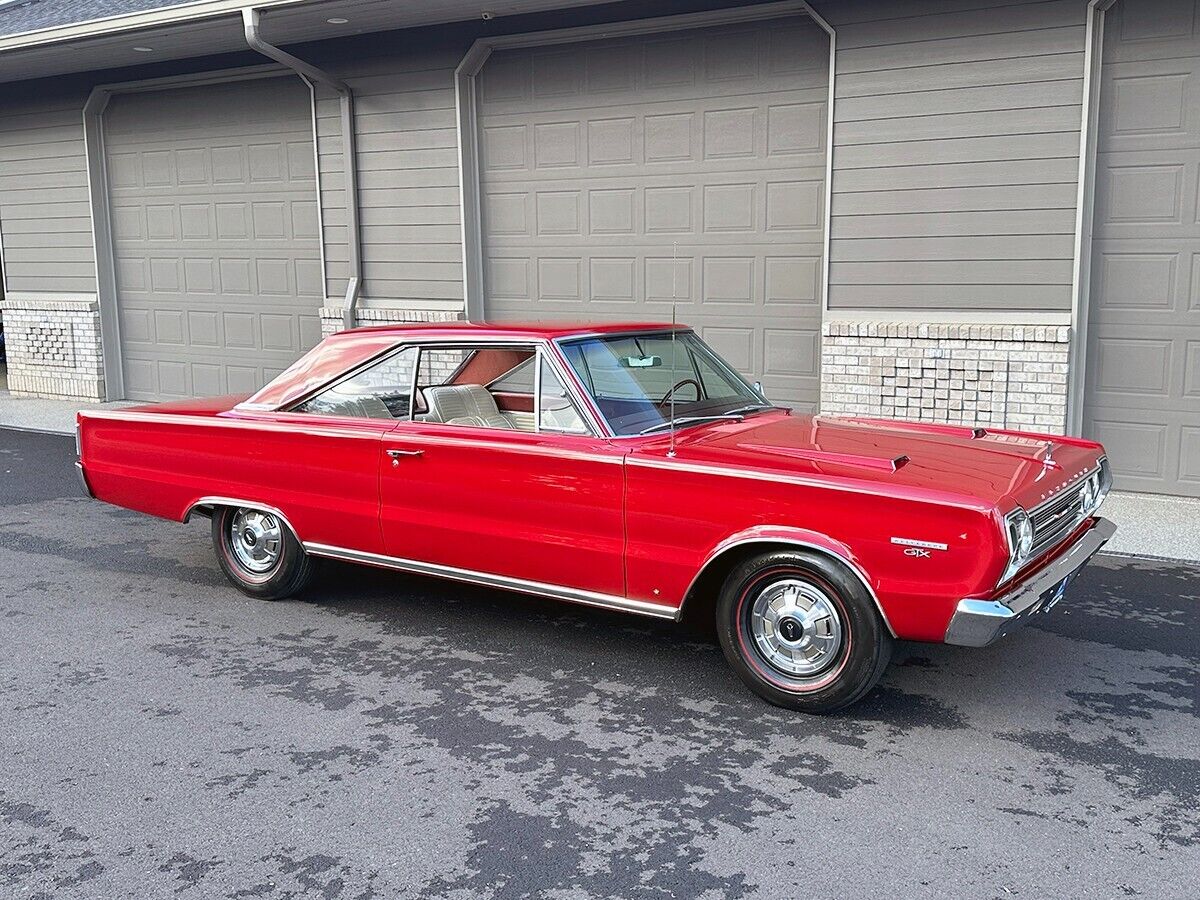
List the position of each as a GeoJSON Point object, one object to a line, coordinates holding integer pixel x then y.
{"type": "Point", "coordinates": [626, 467]}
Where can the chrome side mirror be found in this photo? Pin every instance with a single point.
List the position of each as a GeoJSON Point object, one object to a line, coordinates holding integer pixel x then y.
{"type": "Point", "coordinates": [758, 389]}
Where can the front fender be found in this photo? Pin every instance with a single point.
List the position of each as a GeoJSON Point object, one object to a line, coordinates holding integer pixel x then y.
{"type": "Point", "coordinates": [798, 537]}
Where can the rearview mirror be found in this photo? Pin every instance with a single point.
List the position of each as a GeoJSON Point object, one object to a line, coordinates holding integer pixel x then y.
{"type": "Point", "coordinates": [641, 362]}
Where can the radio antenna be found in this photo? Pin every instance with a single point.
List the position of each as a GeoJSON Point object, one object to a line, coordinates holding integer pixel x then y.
{"type": "Point", "coordinates": [674, 295]}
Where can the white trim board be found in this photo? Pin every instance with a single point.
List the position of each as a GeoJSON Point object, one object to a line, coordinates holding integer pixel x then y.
{"type": "Point", "coordinates": [950, 317]}
{"type": "Point", "coordinates": [1093, 59]}
{"type": "Point", "coordinates": [82, 297]}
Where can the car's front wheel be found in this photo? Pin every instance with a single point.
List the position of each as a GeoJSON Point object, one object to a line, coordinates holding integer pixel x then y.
{"type": "Point", "coordinates": [258, 552]}
{"type": "Point", "coordinates": [801, 631]}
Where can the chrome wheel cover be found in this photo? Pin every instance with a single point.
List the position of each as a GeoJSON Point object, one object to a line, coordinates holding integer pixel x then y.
{"type": "Point", "coordinates": [796, 627]}
{"type": "Point", "coordinates": [256, 539]}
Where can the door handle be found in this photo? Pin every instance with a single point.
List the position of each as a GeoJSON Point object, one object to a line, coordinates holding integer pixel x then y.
{"type": "Point", "coordinates": [395, 454]}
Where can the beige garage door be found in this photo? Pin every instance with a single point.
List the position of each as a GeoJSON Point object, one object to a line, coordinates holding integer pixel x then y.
{"type": "Point", "coordinates": [597, 159]}
{"type": "Point", "coordinates": [214, 214]}
{"type": "Point", "coordinates": [1143, 384]}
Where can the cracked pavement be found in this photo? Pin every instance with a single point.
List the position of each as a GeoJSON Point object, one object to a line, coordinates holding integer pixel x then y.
{"type": "Point", "coordinates": [388, 736]}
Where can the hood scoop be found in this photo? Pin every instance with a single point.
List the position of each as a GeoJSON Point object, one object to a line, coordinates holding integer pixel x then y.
{"type": "Point", "coordinates": [876, 463]}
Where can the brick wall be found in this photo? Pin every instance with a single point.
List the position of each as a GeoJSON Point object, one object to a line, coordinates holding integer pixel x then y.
{"type": "Point", "coordinates": [53, 347]}
{"type": "Point", "coordinates": [1004, 376]}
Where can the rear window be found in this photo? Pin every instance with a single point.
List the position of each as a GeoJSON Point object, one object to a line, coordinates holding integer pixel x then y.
{"type": "Point", "coordinates": [324, 362]}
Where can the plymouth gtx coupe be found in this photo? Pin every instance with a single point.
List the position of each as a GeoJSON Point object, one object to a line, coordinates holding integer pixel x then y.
{"type": "Point", "coordinates": [626, 467]}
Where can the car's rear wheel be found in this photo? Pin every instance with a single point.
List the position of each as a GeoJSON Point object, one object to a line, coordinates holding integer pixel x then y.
{"type": "Point", "coordinates": [258, 552]}
{"type": "Point", "coordinates": [801, 631]}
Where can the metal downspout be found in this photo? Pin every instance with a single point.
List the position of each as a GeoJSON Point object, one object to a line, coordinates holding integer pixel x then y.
{"type": "Point", "coordinates": [251, 21]}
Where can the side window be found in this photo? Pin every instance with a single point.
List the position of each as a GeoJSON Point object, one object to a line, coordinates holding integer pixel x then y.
{"type": "Point", "coordinates": [381, 391]}
{"type": "Point", "coordinates": [518, 380]}
{"type": "Point", "coordinates": [556, 411]}
{"type": "Point", "coordinates": [480, 386]}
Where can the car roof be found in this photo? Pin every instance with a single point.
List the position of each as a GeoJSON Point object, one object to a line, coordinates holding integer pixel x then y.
{"type": "Point", "coordinates": [525, 331]}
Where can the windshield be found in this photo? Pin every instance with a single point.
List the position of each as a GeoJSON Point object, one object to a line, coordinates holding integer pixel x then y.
{"type": "Point", "coordinates": [633, 379]}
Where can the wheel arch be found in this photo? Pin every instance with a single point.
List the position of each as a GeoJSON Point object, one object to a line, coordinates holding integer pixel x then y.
{"type": "Point", "coordinates": [701, 594]}
{"type": "Point", "coordinates": [205, 506]}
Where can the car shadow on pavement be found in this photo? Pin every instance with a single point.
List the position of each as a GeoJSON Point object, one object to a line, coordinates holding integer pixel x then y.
{"type": "Point", "coordinates": [915, 692]}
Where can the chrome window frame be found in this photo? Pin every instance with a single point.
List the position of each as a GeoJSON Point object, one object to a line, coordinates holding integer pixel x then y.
{"type": "Point", "coordinates": [596, 426]}
{"type": "Point", "coordinates": [543, 354]}
{"type": "Point", "coordinates": [543, 348]}
{"type": "Point", "coordinates": [611, 433]}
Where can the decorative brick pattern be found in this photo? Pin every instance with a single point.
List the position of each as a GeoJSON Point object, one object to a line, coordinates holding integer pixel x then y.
{"type": "Point", "coordinates": [53, 347]}
{"type": "Point", "coordinates": [1003, 376]}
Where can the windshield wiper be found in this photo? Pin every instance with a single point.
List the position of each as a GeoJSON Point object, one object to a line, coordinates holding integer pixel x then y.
{"type": "Point", "coordinates": [753, 407]}
{"type": "Point", "coordinates": [692, 420]}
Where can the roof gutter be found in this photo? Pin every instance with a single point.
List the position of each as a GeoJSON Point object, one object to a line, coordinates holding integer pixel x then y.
{"type": "Point", "coordinates": [163, 15]}
{"type": "Point", "coordinates": [310, 73]}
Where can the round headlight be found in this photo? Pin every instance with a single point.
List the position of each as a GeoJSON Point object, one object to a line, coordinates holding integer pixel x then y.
{"type": "Point", "coordinates": [1021, 530]}
{"type": "Point", "coordinates": [1088, 494]}
{"type": "Point", "coordinates": [1100, 491]}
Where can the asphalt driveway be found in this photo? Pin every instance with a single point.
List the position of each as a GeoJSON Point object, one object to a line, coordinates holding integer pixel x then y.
{"type": "Point", "coordinates": [162, 735]}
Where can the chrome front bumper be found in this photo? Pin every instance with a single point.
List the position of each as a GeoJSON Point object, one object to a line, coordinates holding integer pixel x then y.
{"type": "Point", "coordinates": [977, 623]}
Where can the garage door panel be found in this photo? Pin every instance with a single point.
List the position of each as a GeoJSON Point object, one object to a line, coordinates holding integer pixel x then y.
{"type": "Point", "coordinates": [167, 378]}
{"type": "Point", "coordinates": [1152, 30]}
{"type": "Point", "coordinates": [1137, 281]}
{"type": "Point", "coordinates": [756, 282]}
{"type": "Point", "coordinates": [214, 224]}
{"type": "Point", "coordinates": [617, 173]}
{"type": "Point", "coordinates": [1150, 192]}
{"type": "Point", "coordinates": [1140, 446]}
{"type": "Point", "coordinates": [660, 91]}
{"type": "Point", "coordinates": [1189, 455]}
{"type": "Point", "coordinates": [1142, 395]}
{"type": "Point", "coordinates": [1138, 368]}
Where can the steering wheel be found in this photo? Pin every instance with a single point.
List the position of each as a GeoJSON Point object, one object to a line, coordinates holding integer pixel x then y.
{"type": "Point", "coordinates": [676, 386]}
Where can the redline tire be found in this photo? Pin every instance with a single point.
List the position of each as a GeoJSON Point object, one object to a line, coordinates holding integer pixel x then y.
{"type": "Point", "coordinates": [259, 554]}
{"type": "Point", "coordinates": [801, 631]}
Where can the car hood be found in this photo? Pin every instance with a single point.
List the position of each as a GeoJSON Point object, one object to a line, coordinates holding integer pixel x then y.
{"type": "Point", "coordinates": [949, 462]}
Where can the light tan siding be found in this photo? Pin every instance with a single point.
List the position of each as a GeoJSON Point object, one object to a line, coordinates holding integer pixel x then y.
{"type": "Point", "coordinates": [956, 143]}
{"type": "Point", "coordinates": [408, 178]}
{"type": "Point", "coordinates": [45, 222]}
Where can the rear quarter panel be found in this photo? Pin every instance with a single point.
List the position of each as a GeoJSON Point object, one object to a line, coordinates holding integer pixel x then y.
{"type": "Point", "coordinates": [323, 475]}
{"type": "Point", "coordinates": [678, 518]}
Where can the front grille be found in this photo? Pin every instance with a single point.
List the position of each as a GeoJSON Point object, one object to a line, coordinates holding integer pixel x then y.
{"type": "Point", "coordinates": [1055, 519]}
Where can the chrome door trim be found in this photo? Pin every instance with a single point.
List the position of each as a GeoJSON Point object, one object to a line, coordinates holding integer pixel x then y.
{"type": "Point", "coordinates": [550, 351]}
{"type": "Point", "coordinates": [486, 579]}
{"type": "Point", "coordinates": [537, 389]}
